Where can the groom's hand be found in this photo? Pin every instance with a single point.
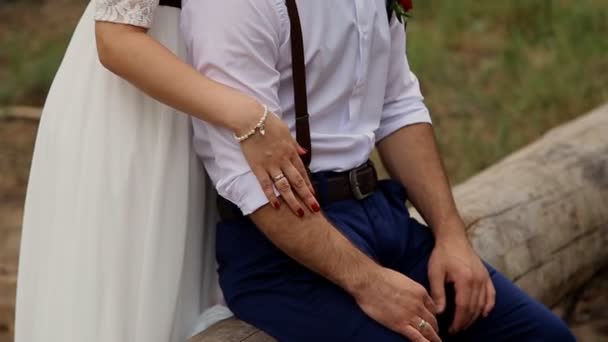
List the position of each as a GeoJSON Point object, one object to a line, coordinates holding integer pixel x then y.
{"type": "Point", "coordinates": [454, 261]}
{"type": "Point", "coordinates": [399, 304]}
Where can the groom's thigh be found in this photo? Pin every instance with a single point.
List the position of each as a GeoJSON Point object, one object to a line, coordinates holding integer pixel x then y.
{"type": "Point", "coordinates": [516, 316]}
{"type": "Point", "coordinates": [310, 309]}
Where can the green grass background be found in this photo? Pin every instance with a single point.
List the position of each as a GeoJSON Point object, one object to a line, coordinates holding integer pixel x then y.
{"type": "Point", "coordinates": [496, 74]}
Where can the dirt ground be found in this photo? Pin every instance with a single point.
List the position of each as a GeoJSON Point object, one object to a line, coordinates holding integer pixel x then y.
{"type": "Point", "coordinates": [16, 143]}
{"type": "Point", "coordinates": [586, 311]}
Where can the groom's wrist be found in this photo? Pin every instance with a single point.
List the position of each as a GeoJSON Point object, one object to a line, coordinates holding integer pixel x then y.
{"type": "Point", "coordinates": [362, 279]}
{"type": "Point", "coordinates": [449, 229]}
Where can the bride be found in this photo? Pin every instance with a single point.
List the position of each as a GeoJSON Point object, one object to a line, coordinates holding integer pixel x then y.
{"type": "Point", "coordinates": [118, 230]}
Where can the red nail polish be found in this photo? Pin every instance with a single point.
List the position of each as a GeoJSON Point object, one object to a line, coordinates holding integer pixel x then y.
{"type": "Point", "coordinates": [276, 205]}
{"type": "Point", "coordinates": [315, 207]}
{"type": "Point", "coordinates": [300, 213]}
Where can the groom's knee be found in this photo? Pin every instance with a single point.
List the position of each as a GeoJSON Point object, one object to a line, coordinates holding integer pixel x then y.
{"type": "Point", "coordinates": [517, 316]}
{"type": "Point", "coordinates": [554, 329]}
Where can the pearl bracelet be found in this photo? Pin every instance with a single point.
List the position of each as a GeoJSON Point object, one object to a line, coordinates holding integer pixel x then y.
{"type": "Point", "coordinates": [259, 127]}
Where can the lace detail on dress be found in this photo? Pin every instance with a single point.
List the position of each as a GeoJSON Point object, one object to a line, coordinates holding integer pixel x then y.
{"type": "Point", "coordinates": [133, 12]}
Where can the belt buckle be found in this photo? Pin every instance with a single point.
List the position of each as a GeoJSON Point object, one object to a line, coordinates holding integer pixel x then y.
{"type": "Point", "coordinates": [354, 182]}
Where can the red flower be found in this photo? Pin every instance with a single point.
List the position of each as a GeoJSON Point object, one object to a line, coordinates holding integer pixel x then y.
{"type": "Point", "coordinates": [406, 4]}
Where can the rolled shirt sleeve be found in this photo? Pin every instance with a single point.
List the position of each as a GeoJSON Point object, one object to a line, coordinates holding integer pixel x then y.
{"type": "Point", "coordinates": [403, 101]}
{"type": "Point", "coordinates": [234, 42]}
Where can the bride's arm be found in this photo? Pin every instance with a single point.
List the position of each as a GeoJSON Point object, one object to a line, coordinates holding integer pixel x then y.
{"type": "Point", "coordinates": [132, 54]}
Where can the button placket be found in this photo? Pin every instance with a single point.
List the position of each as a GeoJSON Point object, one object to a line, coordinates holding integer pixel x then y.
{"type": "Point", "coordinates": [363, 21]}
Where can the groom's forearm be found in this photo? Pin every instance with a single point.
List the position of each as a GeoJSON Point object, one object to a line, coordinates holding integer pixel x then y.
{"type": "Point", "coordinates": [316, 244]}
{"type": "Point", "coordinates": [411, 156]}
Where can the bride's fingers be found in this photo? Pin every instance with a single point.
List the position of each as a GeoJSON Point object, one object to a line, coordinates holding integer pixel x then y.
{"type": "Point", "coordinates": [301, 150]}
{"type": "Point", "coordinates": [281, 183]}
{"type": "Point", "coordinates": [297, 162]}
{"type": "Point", "coordinates": [301, 188]}
{"type": "Point", "coordinates": [267, 186]}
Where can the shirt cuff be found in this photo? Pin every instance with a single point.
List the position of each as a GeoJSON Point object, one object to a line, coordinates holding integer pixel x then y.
{"type": "Point", "coordinates": [392, 124]}
{"type": "Point", "coordinates": [245, 192]}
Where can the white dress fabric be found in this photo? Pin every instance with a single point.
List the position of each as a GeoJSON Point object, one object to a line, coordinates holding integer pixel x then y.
{"type": "Point", "coordinates": [119, 224]}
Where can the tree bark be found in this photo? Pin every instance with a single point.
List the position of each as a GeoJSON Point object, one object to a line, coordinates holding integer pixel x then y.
{"type": "Point", "coordinates": [21, 113]}
{"type": "Point", "coordinates": [541, 215]}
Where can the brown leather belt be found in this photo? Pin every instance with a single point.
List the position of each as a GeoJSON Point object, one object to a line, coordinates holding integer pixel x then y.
{"type": "Point", "coordinates": [356, 184]}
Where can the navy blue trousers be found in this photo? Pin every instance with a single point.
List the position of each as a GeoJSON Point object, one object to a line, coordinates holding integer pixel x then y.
{"type": "Point", "coordinates": [266, 288]}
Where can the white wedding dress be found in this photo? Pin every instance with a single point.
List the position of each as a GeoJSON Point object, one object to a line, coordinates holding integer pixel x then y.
{"type": "Point", "coordinates": [118, 232]}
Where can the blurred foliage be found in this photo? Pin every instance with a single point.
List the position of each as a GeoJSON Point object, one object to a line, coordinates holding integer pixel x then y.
{"type": "Point", "coordinates": [30, 69]}
{"type": "Point", "coordinates": [33, 37]}
{"type": "Point", "coordinates": [496, 74]}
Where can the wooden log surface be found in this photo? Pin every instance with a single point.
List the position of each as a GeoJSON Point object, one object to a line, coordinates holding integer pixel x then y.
{"type": "Point", "coordinates": [21, 113]}
{"type": "Point", "coordinates": [232, 330]}
{"type": "Point", "coordinates": [540, 216]}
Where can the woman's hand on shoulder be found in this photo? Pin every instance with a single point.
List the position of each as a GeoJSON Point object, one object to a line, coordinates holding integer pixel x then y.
{"type": "Point", "coordinates": [275, 160]}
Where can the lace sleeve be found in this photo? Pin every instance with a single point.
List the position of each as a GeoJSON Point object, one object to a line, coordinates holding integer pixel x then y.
{"type": "Point", "coordinates": [132, 12]}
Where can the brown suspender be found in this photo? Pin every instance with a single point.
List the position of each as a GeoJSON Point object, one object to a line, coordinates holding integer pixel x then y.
{"type": "Point", "coordinates": [171, 3]}
{"type": "Point", "coordinates": [299, 81]}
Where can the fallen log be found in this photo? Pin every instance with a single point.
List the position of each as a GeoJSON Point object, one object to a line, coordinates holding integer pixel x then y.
{"type": "Point", "coordinates": [540, 216]}
{"type": "Point", "coordinates": [21, 113]}
{"type": "Point", "coordinates": [232, 330]}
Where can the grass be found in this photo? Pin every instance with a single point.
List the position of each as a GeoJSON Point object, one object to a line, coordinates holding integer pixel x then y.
{"type": "Point", "coordinates": [496, 74]}
{"type": "Point", "coordinates": [33, 37]}
{"type": "Point", "coordinates": [31, 69]}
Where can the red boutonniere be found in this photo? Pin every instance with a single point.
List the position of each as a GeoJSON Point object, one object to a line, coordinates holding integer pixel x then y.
{"type": "Point", "coordinates": [401, 9]}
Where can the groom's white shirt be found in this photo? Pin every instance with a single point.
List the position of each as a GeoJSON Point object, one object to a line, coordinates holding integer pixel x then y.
{"type": "Point", "coordinates": [360, 87]}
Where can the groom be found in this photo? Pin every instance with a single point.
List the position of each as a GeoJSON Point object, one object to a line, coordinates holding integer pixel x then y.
{"type": "Point", "coordinates": [361, 270]}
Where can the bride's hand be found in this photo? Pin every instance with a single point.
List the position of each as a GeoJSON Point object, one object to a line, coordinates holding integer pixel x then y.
{"type": "Point", "coordinates": [275, 154]}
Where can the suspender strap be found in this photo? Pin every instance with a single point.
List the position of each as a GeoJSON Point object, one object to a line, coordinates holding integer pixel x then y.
{"type": "Point", "coordinates": [299, 81]}
{"type": "Point", "coordinates": [171, 3]}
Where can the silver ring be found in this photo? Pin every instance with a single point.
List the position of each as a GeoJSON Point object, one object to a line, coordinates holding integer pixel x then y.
{"type": "Point", "coordinates": [422, 325]}
{"type": "Point", "coordinates": [278, 177]}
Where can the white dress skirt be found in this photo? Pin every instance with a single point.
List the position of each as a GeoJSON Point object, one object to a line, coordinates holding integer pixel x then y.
{"type": "Point", "coordinates": [119, 223]}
